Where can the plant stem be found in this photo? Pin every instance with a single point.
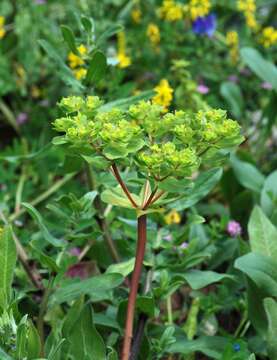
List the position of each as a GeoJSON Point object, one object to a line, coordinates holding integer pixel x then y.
{"type": "Point", "coordinates": [141, 244]}
{"type": "Point", "coordinates": [100, 217]}
{"type": "Point", "coordinates": [123, 186]}
{"type": "Point", "coordinates": [42, 311]}
{"type": "Point", "coordinates": [141, 322]}
{"type": "Point", "coordinates": [148, 202]}
{"type": "Point", "coordinates": [169, 310]}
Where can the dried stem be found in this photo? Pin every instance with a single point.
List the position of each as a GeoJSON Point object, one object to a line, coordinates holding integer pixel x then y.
{"type": "Point", "coordinates": [123, 186]}
{"type": "Point", "coordinates": [141, 244]}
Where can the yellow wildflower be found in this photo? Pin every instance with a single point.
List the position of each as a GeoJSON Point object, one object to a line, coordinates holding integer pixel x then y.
{"type": "Point", "coordinates": [248, 8]}
{"type": "Point", "coordinates": [153, 34]}
{"type": "Point", "coordinates": [80, 73]}
{"type": "Point", "coordinates": [232, 40]}
{"type": "Point", "coordinates": [171, 10]}
{"type": "Point", "coordinates": [2, 29]}
{"type": "Point", "coordinates": [35, 92]}
{"type": "Point", "coordinates": [164, 94]}
{"type": "Point", "coordinates": [269, 36]}
{"type": "Point", "coordinates": [199, 8]}
{"type": "Point", "coordinates": [173, 217]}
{"type": "Point", "coordinates": [123, 60]}
{"type": "Point", "coordinates": [136, 15]}
{"type": "Point", "coordinates": [82, 49]}
{"type": "Point", "coordinates": [74, 60]}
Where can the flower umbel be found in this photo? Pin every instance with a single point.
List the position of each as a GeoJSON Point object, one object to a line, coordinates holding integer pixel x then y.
{"type": "Point", "coordinates": [232, 40]}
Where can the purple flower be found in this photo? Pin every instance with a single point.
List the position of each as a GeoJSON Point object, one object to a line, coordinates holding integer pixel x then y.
{"type": "Point", "coordinates": [233, 78]}
{"type": "Point", "coordinates": [168, 237]}
{"type": "Point", "coordinates": [40, 2]}
{"type": "Point", "coordinates": [233, 228]}
{"type": "Point", "coordinates": [81, 270]}
{"type": "Point", "coordinates": [266, 85]}
{"type": "Point", "coordinates": [184, 245]}
{"type": "Point", "coordinates": [75, 251]}
{"type": "Point", "coordinates": [205, 25]}
{"type": "Point", "coordinates": [203, 89]}
{"type": "Point", "coordinates": [22, 118]}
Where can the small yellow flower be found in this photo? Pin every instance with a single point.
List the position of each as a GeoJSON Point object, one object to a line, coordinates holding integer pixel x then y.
{"type": "Point", "coordinates": [232, 40]}
{"type": "Point", "coordinates": [80, 73]}
{"type": "Point", "coordinates": [82, 49]}
{"type": "Point", "coordinates": [268, 37]}
{"type": "Point", "coordinates": [35, 92]}
{"type": "Point", "coordinates": [123, 60]}
{"type": "Point", "coordinates": [248, 8]}
{"type": "Point", "coordinates": [173, 217]}
{"type": "Point", "coordinates": [164, 94]}
{"type": "Point", "coordinates": [2, 29]}
{"type": "Point", "coordinates": [75, 60]}
{"type": "Point", "coordinates": [171, 10]}
{"type": "Point", "coordinates": [199, 8]}
{"type": "Point", "coordinates": [136, 15]}
{"type": "Point", "coordinates": [153, 34]}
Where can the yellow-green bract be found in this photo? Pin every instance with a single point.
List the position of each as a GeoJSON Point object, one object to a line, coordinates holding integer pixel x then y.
{"type": "Point", "coordinates": [160, 145]}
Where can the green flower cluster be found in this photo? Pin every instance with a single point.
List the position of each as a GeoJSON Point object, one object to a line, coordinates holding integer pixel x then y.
{"type": "Point", "coordinates": [161, 145]}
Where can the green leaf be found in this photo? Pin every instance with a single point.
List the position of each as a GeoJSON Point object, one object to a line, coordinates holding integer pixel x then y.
{"type": "Point", "coordinates": [97, 67]}
{"type": "Point", "coordinates": [85, 341]}
{"type": "Point", "coordinates": [4, 356]}
{"type": "Point", "coordinates": [87, 23]}
{"type": "Point", "coordinates": [212, 346]}
{"type": "Point", "coordinates": [204, 183]}
{"type": "Point", "coordinates": [172, 185]}
{"type": "Point", "coordinates": [262, 234]}
{"type": "Point", "coordinates": [98, 162]}
{"type": "Point", "coordinates": [45, 232]}
{"type": "Point", "coordinates": [21, 339]}
{"type": "Point", "coordinates": [116, 197]}
{"type": "Point", "coordinates": [263, 68]}
{"type": "Point", "coordinates": [45, 260]}
{"type": "Point", "coordinates": [261, 270]}
{"type": "Point", "coordinates": [232, 94]}
{"type": "Point", "coordinates": [112, 355]}
{"type": "Point", "coordinates": [269, 195]}
{"type": "Point", "coordinates": [112, 30]}
{"type": "Point", "coordinates": [33, 344]}
{"type": "Point", "coordinates": [69, 38]}
{"type": "Point", "coordinates": [72, 291]}
{"type": "Point", "coordinates": [247, 174]}
{"type": "Point", "coordinates": [125, 103]}
{"type": "Point", "coordinates": [7, 265]}
{"type": "Point", "coordinates": [198, 279]}
{"type": "Point", "coordinates": [271, 312]}
{"type": "Point", "coordinates": [124, 268]}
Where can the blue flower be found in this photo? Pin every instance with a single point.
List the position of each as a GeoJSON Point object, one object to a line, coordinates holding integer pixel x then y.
{"type": "Point", "coordinates": [205, 25]}
{"type": "Point", "coordinates": [236, 347]}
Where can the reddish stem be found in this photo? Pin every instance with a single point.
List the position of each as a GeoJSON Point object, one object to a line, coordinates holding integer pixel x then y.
{"type": "Point", "coordinates": [123, 186]}
{"type": "Point", "coordinates": [148, 202]}
{"type": "Point", "coordinates": [141, 244]}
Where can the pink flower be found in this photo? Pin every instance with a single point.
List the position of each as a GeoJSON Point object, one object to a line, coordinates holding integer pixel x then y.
{"type": "Point", "coordinates": [233, 228]}
{"type": "Point", "coordinates": [22, 118]}
{"type": "Point", "coordinates": [266, 85]}
{"type": "Point", "coordinates": [233, 78]}
{"type": "Point", "coordinates": [203, 89]}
